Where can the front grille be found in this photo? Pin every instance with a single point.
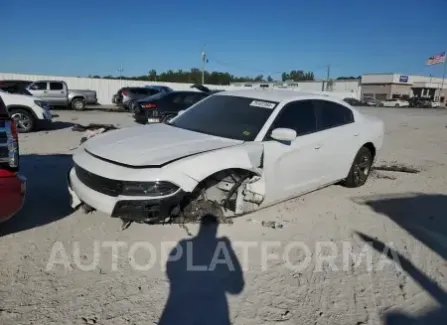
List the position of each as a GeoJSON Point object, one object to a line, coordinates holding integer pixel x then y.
{"type": "Point", "coordinates": [98, 183]}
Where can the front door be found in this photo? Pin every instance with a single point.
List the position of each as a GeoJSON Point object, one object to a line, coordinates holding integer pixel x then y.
{"type": "Point", "coordinates": [40, 89]}
{"type": "Point", "coordinates": [294, 168]}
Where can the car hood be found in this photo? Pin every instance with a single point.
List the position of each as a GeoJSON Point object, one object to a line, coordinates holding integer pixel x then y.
{"type": "Point", "coordinates": [152, 145]}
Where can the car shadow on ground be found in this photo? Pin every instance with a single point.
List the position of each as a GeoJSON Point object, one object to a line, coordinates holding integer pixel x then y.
{"type": "Point", "coordinates": [423, 216]}
{"type": "Point", "coordinates": [202, 270]}
{"type": "Point", "coordinates": [47, 198]}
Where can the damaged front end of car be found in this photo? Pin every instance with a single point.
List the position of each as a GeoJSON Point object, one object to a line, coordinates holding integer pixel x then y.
{"type": "Point", "coordinates": [213, 188]}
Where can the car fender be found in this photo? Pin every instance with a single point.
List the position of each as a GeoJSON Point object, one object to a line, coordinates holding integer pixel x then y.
{"type": "Point", "coordinates": [248, 156]}
{"type": "Point", "coordinates": [26, 108]}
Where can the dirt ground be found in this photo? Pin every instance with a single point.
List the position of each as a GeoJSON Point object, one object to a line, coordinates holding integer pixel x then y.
{"type": "Point", "coordinates": [398, 220]}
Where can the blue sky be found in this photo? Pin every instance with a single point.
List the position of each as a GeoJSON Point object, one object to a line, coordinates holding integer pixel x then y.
{"type": "Point", "coordinates": [243, 37]}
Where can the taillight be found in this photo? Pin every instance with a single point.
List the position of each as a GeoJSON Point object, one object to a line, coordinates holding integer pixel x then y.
{"type": "Point", "coordinates": [123, 92]}
{"type": "Point", "coordinates": [9, 161]}
{"type": "Point", "coordinates": [149, 106]}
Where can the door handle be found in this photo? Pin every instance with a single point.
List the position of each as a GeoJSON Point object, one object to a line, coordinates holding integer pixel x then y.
{"type": "Point", "coordinates": [318, 146]}
{"type": "Point", "coordinates": [356, 134]}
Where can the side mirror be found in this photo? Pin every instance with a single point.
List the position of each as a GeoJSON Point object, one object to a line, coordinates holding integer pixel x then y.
{"type": "Point", "coordinates": [180, 112]}
{"type": "Point", "coordinates": [283, 134]}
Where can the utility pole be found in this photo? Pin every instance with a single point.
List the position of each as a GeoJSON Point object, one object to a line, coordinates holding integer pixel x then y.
{"type": "Point", "coordinates": [441, 90]}
{"type": "Point", "coordinates": [120, 70]}
{"type": "Point", "coordinates": [204, 61]}
{"type": "Point", "coordinates": [328, 76]}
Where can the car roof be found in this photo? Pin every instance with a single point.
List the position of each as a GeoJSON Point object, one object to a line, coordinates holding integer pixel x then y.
{"type": "Point", "coordinates": [276, 95]}
{"type": "Point", "coordinates": [48, 81]}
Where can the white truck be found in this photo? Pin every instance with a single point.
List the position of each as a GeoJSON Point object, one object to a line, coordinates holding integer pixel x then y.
{"type": "Point", "coordinates": [28, 112]}
{"type": "Point", "coordinates": [57, 94]}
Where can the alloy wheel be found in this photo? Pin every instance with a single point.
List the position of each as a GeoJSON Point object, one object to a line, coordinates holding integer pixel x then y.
{"type": "Point", "coordinates": [22, 121]}
{"type": "Point", "coordinates": [362, 167]}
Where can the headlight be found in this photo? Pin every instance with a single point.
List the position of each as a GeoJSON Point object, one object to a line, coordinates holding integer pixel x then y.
{"type": "Point", "coordinates": [42, 104]}
{"type": "Point", "coordinates": [149, 188]}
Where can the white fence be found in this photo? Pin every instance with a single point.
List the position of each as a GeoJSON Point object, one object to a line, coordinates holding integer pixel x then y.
{"type": "Point", "coordinates": [106, 88]}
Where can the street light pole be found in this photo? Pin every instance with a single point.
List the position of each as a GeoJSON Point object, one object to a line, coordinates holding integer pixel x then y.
{"type": "Point", "coordinates": [120, 70]}
{"type": "Point", "coordinates": [204, 60]}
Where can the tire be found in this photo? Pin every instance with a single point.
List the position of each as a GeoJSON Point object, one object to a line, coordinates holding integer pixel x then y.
{"type": "Point", "coordinates": [360, 169]}
{"type": "Point", "coordinates": [78, 104]}
{"type": "Point", "coordinates": [131, 106]}
{"type": "Point", "coordinates": [24, 120]}
{"type": "Point", "coordinates": [167, 118]}
{"type": "Point", "coordinates": [380, 105]}
{"type": "Point", "coordinates": [397, 105]}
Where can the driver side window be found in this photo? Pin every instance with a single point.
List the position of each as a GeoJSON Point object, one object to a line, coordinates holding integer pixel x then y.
{"type": "Point", "coordinates": [299, 116]}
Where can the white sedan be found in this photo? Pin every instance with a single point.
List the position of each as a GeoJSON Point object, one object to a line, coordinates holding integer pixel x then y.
{"type": "Point", "coordinates": [394, 103]}
{"type": "Point", "coordinates": [232, 153]}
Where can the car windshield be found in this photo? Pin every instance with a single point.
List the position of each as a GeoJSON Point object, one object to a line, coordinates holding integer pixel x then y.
{"type": "Point", "coordinates": [233, 117]}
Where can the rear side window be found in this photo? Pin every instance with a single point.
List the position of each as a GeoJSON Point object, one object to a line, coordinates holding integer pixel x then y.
{"type": "Point", "coordinates": [331, 114]}
{"type": "Point", "coordinates": [151, 91]}
{"type": "Point", "coordinates": [193, 98]}
{"type": "Point", "coordinates": [39, 86]}
{"type": "Point", "coordinates": [299, 116]}
{"type": "Point", "coordinates": [56, 86]}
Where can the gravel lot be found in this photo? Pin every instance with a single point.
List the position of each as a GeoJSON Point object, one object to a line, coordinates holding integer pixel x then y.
{"type": "Point", "coordinates": [399, 213]}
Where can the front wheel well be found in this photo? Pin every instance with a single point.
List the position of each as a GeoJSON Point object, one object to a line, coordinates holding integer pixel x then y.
{"type": "Point", "coordinates": [26, 108]}
{"type": "Point", "coordinates": [210, 188]}
{"type": "Point", "coordinates": [370, 146]}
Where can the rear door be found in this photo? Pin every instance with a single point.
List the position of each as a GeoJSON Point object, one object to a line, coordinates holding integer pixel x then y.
{"type": "Point", "coordinates": [339, 139]}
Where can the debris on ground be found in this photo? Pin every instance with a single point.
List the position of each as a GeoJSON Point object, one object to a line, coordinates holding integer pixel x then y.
{"type": "Point", "coordinates": [379, 175]}
{"type": "Point", "coordinates": [397, 168]}
{"type": "Point", "coordinates": [272, 224]}
{"type": "Point", "coordinates": [93, 126]}
{"type": "Point", "coordinates": [92, 130]}
{"type": "Point", "coordinates": [90, 320]}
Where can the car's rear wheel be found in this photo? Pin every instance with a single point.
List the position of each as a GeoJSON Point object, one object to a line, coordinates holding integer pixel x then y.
{"type": "Point", "coordinates": [168, 117]}
{"type": "Point", "coordinates": [24, 120]}
{"type": "Point", "coordinates": [78, 104]}
{"type": "Point", "coordinates": [360, 169]}
{"type": "Point", "coordinates": [397, 105]}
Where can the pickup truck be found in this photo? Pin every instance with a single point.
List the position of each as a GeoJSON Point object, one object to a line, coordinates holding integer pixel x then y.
{"type": "Point", "coordinates": [56, 93]}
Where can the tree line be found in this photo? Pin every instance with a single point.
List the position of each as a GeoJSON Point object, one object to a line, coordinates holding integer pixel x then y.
{"type": "Point", "coordinates": [211, 77]}
{"type": "Point", "coordinates": [215, 77]}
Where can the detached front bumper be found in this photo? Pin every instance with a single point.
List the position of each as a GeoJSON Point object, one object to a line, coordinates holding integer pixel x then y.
{"type": "Point", "coordinates": [141, 209]}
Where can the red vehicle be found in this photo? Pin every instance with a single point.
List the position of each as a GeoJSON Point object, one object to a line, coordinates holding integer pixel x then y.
{"type": "Point", "coordinates": [12, 184]}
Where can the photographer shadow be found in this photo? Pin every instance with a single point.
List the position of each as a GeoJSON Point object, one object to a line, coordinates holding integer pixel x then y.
{"type": "Point", "coordinates": [201, 271]}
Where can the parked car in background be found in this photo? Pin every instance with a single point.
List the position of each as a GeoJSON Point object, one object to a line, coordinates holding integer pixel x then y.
{"type": "Point", "coordinates": [161, 88]}
{"type": "Point", "coordinates": [165, 106]}
{"type": "Point", "coordinates": [57, 94]}
{"type": "Point", "coordinates": [127, 96]}
{"type": "Point", "coordinates": [395, 102]}
{"type": "Point", "coordinates": [28, 112]}
{"type": "Point", "coordinates": [354, 102]}
{"type": "Point", "coordinates": [12, 184]}
{"type": "Point", "coordinates": [232, 153]}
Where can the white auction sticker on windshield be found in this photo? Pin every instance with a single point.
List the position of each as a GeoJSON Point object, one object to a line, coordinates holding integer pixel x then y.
{"type": "Point", "coordinates": [260, 103]}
